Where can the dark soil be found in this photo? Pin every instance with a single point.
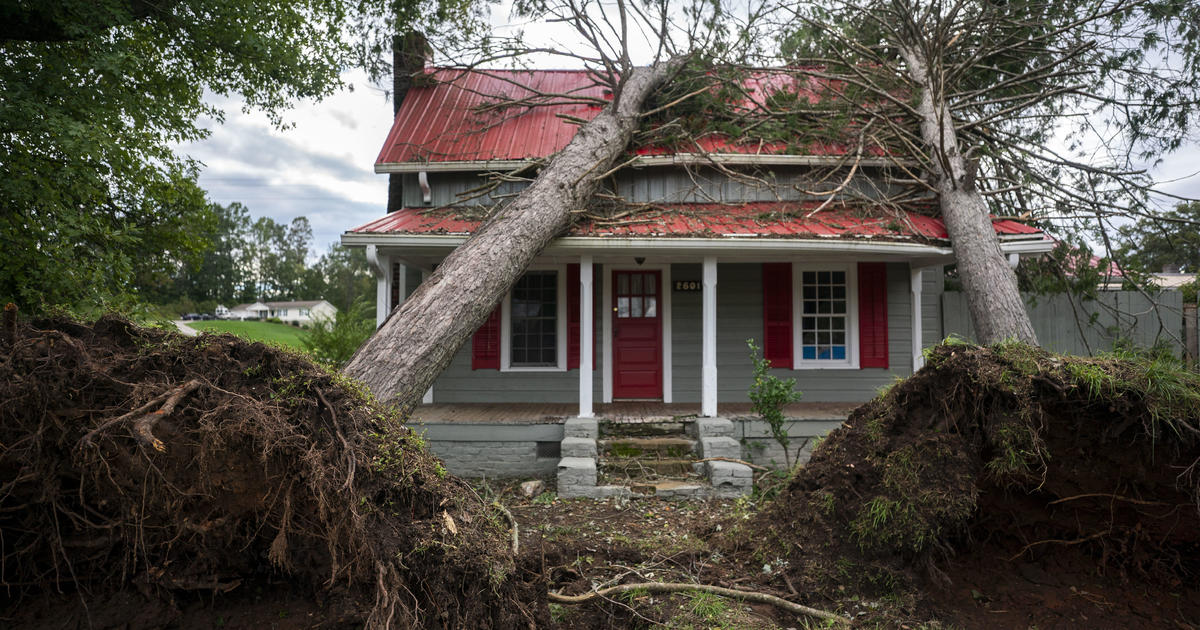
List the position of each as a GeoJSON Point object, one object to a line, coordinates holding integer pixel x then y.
{"type": "Point", "coordinates": [151, 480]}
{"type": "Point", "coordinates": [1002, 487]}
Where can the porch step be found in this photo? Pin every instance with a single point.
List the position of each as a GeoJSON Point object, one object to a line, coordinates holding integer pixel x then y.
{"type": "Point", "coordinates": [655, 458]}
{"type": "Point", "coordinates": [611, 429]}
{"type": "Point", "coordinates": [668, 446]}
{"type": "Point", "coordinates": [645, 467]}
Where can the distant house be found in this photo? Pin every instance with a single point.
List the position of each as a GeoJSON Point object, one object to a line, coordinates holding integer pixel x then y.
{"type": "Point", "coordinates": [301, 312]}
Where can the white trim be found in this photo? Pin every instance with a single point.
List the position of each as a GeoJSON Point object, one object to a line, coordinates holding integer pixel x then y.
{"type": "Point", "coordinates": [677, 159]}
{"type": "Point", "coordinates": [586, 318]}
{"type": "Point", "coordinates": [560, 325]}
{"type": "Point", "coordinates": [708, 343]}
{"type": "Point", "coordinates": [731, 244]}
{"type": "Point", "coordinates": [383, 279]}
{"type": "Point", "coordinates": [668, 387]}
{"type": "Point", "coordinates": [852, 343]}
{"type": "Point", "coordinates": [915, 287]}
{"type": "Point", "coordinates": [428, 397]}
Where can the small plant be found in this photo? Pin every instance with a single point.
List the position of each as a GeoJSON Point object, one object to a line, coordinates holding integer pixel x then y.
{"type": "Point", "coordinates": [769, 394]}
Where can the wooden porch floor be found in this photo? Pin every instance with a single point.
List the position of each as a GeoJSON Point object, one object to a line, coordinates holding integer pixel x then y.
{"type": "Point", "coordinates": [625, 411]}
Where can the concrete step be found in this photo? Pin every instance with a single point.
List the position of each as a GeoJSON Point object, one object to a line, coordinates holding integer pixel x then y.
{"type": "Point", "coordinates": [672, 489]}
{"type": "Point", "coordinates": [610, 429]}
{"type": "Point", "coordinates": [666, 446]}
{"type": "Point", "coordinates": [646, 467]}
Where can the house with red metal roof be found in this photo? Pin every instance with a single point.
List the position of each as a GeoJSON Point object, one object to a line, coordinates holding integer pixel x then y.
{"type": "Point", "coordinates": [717, 243]}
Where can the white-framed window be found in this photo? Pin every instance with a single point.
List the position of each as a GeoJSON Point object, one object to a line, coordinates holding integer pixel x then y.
{"type": "Point", "coordinates": [533, 322]}
{"type": "Point", "coordinates": [824, 316]}
{"type": "Point", "coordinates": [281, 312]}
{"type": "Point", "coordinates": [303, 312]}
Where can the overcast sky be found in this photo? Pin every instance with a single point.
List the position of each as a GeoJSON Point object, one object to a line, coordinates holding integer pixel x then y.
{"type": "Point", "coordinates": [322, 168]}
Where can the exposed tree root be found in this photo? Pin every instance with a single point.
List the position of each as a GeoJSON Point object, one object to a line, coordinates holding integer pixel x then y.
{"type": "Point", "coordinates": [675, 587]}
{"type": "Point", "coordinates": [733, 461]}
{"type": "Point", "coordinates": [144, 419]}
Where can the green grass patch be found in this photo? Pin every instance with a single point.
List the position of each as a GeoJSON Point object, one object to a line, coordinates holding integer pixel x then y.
{"type": "Point", "coordinates": [267, 332]}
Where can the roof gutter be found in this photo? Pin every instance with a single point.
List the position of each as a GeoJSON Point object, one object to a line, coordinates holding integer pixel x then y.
{"type": "Point", "coordinates": [678, 159]}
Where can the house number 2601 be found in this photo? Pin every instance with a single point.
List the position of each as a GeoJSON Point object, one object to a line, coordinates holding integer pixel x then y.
{"type": "Point", "coordinates": [688, 285]}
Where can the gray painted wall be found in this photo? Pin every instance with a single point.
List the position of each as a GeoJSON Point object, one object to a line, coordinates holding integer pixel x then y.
{"type": "Point", "coordinates": [739, 317]}
{"type": "Point", "coordinates": [658, 185]}
{"type": "Point", "coordinates": [459, 383]}
{"type": "Point", "coordinates": [495, 450]}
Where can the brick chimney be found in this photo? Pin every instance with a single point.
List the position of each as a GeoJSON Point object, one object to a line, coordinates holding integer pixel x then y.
{"type": "Point", "coordinates": [409, 52]}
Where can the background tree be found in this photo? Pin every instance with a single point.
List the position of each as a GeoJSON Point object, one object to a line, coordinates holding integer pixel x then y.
{"type": "Point", "coordinates": [1150, 244]}
{"type": "Point", "coordinates": [97, 91]}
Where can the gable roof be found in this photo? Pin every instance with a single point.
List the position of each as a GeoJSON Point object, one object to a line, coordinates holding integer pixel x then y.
{"type": "Point", "coordinates": [445, 122]}
{"type": "Point", "coordinates": [748, 220]}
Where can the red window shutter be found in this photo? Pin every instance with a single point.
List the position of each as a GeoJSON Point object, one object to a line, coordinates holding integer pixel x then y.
{"type": "Point", "coordinates": [777, 314]}
{"type": "Point", "coordinates": [572, 316]}
{"type": "Point", "coordinates": [872, 315]}
{"type": "Point", "coordinates": [485, 345]}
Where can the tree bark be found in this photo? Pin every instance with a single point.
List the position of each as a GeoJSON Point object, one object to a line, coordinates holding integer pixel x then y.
{"type": "Point", "coordinates": [402, 359]}
{"type": "Point", "coordinates": [990, 285]}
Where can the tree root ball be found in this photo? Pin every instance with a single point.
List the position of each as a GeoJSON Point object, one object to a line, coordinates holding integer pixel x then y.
{"type": "Point", "coordinates": [168, 473]}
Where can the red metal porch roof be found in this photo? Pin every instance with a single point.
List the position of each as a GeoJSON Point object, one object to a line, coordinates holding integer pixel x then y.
{"type": "Point", "coordinates": [759, 219]}
{"type": "Point", "coordinates": [446, 120]}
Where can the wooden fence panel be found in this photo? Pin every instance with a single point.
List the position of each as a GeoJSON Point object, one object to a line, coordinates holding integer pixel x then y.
{"type": "Point", "coordinates": [1064, 324]}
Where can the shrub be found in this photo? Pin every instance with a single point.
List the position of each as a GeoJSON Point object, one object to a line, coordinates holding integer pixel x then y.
{"type": "Point", "coordinates": [334, 341]}
{"type": "Point", "coordinates": [769, 394]}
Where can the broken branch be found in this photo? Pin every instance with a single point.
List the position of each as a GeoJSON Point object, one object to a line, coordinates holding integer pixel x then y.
{"type": "Point", "coordinates": [671, 587]}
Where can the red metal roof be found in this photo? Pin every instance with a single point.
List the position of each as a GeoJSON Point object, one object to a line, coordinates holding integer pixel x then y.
{"type": "Point", "coordinates": [760, 219]}
{"type": "Point", "coordinates": [447, 119]}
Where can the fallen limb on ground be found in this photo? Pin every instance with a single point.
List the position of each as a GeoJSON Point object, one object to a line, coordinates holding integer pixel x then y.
{"type": "Point", "coordinates": [675, 587]}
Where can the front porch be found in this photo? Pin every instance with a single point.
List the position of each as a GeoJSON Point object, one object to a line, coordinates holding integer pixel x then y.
{"type": "Point", "coordinates": [624, 411]}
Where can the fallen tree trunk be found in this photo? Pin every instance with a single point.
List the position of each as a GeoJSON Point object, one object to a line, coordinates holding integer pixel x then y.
{"type": "Point", "coordinates": [421, 336]}
{"type": "Point", "coordinates": [997, 310]}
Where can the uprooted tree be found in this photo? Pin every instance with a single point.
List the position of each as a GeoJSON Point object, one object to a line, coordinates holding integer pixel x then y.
{"type": "Point", "coordinates": [1034, 109]}
{"type": "Point", "coordinates": [421, 336]}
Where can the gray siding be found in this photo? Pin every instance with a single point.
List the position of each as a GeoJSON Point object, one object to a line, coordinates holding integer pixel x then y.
{"type": "Point", "coordinates": [459, 383]}
{"type": "Point", "coordinates": [739, 317]}
{"type": "Point", "coordinates": [656, 185]}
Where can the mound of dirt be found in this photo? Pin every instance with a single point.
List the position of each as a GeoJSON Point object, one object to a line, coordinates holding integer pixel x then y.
{"type": "Point", "coordinates": [160, 474]}
{"type": "Point", "coordinates": [1001, 487]}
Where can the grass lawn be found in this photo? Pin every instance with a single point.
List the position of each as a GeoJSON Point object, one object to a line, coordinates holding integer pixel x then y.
{"type": "Point", "coordinates": [280, 334]}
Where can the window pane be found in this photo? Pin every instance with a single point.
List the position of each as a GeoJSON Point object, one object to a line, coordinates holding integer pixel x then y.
{"type": "Point", "coordinates": [635, 306]}
{"type": "Point", "coordinates": [839, 337]}
{"type": "Point", "coordinates": [839, 292]}
{"type": "Point", "coordinates": [823, 277]}
{"type": "Point", "coordinates": [839, 353]}
{"type": "Point", "coordinates": [636, 289]}
{"type": "Point", "coordinates": [622, 284]}
{"type": "Point", "coordinates": [810, 306]}
{"type": "Point", "coordinates": [810, 277]}
{"type": "Point", "coordinates": [650, 288]}
{"type": "Point", "coordinates": [809, 352]}
{"type": "Point", "coordinates": [651, 306]}
{"type": "Point", "coordinates": [810, 292]}
{"type": "Point", "coordinates": [839, 307]}
{"type": "Point", "coordinates": [839, 277]}
{"type": "Point", "coordinates": [534, 320]}
{"type": "Point", "coordinates": [622, 307]}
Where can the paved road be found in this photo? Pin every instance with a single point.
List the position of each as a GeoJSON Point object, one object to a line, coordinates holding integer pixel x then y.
{"type": "Point", "coordinates": [185, 329]}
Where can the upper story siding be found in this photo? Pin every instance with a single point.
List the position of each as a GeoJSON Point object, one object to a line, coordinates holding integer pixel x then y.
{"type": "Point", "coordinates": [667, 185]}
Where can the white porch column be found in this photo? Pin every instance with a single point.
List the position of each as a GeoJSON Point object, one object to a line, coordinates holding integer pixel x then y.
{"type": "Point", "coordinates": [428, 398]}
{"type": "Point", "coordinates": [918, 359]}
{"type": "Point", "coordinates": [586, 348]}
{"type": "Point", "coordinates": [382, 265]}
{"type": "Point", "coordinates": [708, 371]}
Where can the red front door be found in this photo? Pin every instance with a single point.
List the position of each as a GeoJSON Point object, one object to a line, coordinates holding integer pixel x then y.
{"type": "Point", "coordinates": [637, 334]}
